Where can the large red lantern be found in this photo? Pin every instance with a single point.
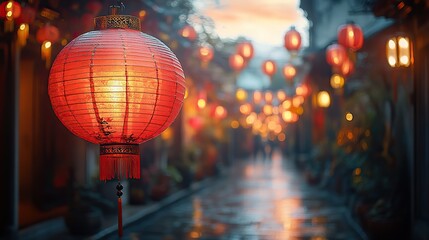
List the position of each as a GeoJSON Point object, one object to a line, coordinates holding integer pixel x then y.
{"type": "Point", "coordinates": [236, 62]}
{"type": "Point", "coordinates": [117, 87]}
{"type": "Point", "coordinates": [292, 40]}
{"type": "Point", "coordinates": [336, 55]}
{"type": "Point", "coordinates": [9, 11]}
{"type": "Point", "coordinates": [289, 72]}
{"type": "Point", "coordinates": [245, 49]}
{"type": "Point", "coordinates": [269, 67]}
{"type": "Point", "coordinates": [350, 36]}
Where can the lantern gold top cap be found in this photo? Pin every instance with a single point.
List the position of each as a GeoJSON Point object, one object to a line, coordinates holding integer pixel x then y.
{"type": "Point", "coordinates": [113, 20]}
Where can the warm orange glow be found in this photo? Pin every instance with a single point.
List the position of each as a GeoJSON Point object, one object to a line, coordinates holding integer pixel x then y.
{"type": "Point", "coordinates": [347, 67]}
{"type": "Point", "coordinates": [297, 101]}
{"type": "Point", "coordinates": [236, 62]}
{"type": "Point", "coordinates": [323, 99]}
{"type": "Point", "coordinates": [188, 32]}
{"type": "Point", "coordinates": [281, 95]}
{"type": "Point", "coordinates": [167, 135]}
{"type": "Point", "coordinates": [337, 81]}
{"type": "Point", "coordinates": [241, 94]}
{"type": "Point", "coordinates": [245, 49]}
{"type": "Point", "coordinates": [399, 51]}
{"type": "Point", "coordinates": [257, 97]}
{"type": "Point", "coordinates": [349, 116]}
{"type": "Point", "coordinates": [201, 103]}
{"type": "Point", "coordinates": [286, 104]}
{"type": "Point", "coordinates": [287, 116]}
{"type": "Point", "coordinates": [245, 109]}
{"type": "Point", "coordinates": [142, 14]}
{"type": "Point", "coordinates": [268, 97]}
{"type": "Point", "coordinates": [301, 90]}
{"type": "Point", "coordinates": [23, 33]}
{"type": "Point", "coordinates": [220, 112]}
{"type": "Point", "coordinates": [289, 72]}
{"type": "Point", "coordinates": [281, 137]}
{"type": "Point", "coordinates": [350, 36]}
{"type": "Point", "coordinates": [292, 40]}
{"type": "Point", "coordinates": [269, 67]}
{"type": "Point", "coordinates": [235, 124]}
{"type": "Point", "coordinates": [206, 53]}
{"type": "Point", "coordinates": [267, 109]}
{"type": "Point", "coordinates": [336, 55]}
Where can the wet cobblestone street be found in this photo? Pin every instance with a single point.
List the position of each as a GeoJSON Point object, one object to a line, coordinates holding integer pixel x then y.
{"type": "Point", "coordinates": [254, 200]}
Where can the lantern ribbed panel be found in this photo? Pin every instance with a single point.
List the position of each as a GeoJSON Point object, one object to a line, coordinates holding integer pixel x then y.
{"type": "Point", "coordinates": [116, 86]}
{"type": "Point", "coordinates": [350, 36]}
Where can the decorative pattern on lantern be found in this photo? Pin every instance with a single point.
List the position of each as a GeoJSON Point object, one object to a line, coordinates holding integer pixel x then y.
{"type": "Point", "coordinates": [245, 49]}
{"type": "Point", "coordinates": [289, 72]}
{"type": "Point", "coordinates": [398, 51]}
{"type": "Point", "coordinates": [350, 35]}
{"type": "Point", "coordinates": [9, 10]}
{"type": "Point", "coordinates": [292, 40]}
{"type": "Point", "coordinates": [47, 35]}
{"type": "Point", "coordinates": [336, 55]}
{"type": "Point", "coordinates": [269, 68]}
{"type": "Point", "coordinates": [117, 87]}
{"type": "Point", "coordinates": [188, 32]}
{"type": "Point", "coordinates": [236, 62]}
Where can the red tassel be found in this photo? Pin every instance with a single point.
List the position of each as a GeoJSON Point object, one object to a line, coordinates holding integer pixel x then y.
{"type": "Point", "coordinates": [120, 231]}
{"type": "Point", "coordinates": [119, 161]}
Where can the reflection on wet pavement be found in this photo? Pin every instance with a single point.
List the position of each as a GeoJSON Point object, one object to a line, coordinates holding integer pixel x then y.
{"type": "Point", "coordinates": [256, 200]}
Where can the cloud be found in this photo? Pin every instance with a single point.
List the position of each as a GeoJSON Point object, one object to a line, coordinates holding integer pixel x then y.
{"type": "Point", "coordinates": [263, 21]}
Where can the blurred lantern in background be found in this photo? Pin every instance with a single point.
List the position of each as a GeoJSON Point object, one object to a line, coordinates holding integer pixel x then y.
{"type": "Point", "coordinates": [245, 49]}
{"type": "Point", "coordinates": [47, 35]}
{"type": "Point", "coordinates": [202, 100]}
{"type": "Point", "coordinates": [350, 36]}
{"type": "Point", "coordinates": [205, 53]}
{"type": "Point", "coordinates": [196, 122]}
{"type": "Point", "coordinates": [241, 95]}
{"type": "Point", "coordinates": [268, 97]}
{"type": "Point", "coordinates": [117, 87]}
{"type": "Point", "coordinates": [219, 112]}
{"type": "Point", "coordinates": [335, 55]}
{"type": "Point", "coordinates": [289, 72]}
{"type": "Point", "coordinates": [22, 33]}
{"type": "Point", "coordinates": [302, 90]}
{"type": "Point", "coordinates": [246, 108]}
{"type": "Point", "coordinates": [337, 81]}
{"type": "Point", "coordinates": [347, 67]}
{"type": "Point", "coordinates": [94, 7]}
{"type": "Point", "coordinates": [167, 134]}
{"type": "Point", "coordinates": [28, 15]}
{"type": "Point", "coordinates": [236, 62]}
{"type": "Point", "coordinates": [9, 11]}
{"type": "Point", "coordinates": [398, 51]}
{"type": "Point", "coordinates": [281, 95]}
{"type": "Point", "coordinates": [292, 41]}
{"type": "Point", "coordinates": [257, 97]}
{"type": "Point", "coordinates": [323, 99]}
{"type": "Point", "coordinates": [269, 68]}
{"type": "Point", "coordinates": [188, 32]}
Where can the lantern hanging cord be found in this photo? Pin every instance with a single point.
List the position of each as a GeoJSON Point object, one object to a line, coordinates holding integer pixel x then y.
{"type": "Point", "coordinates": [117, 8]}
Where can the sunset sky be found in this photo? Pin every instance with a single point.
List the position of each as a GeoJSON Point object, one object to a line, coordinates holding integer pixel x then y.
{"type": "Point", "coordinates": [265, 22]}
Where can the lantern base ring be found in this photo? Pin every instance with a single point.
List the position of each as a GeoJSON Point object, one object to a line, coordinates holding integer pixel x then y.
{"type": "Point", "coordinates": [120, 161]}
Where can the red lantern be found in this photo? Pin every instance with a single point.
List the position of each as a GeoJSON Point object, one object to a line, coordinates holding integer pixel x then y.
{"type": "Point", "coordinates": [9, 11]}
{"type": "Point", "coordinates": [245, 49]}
{"type": "Point", "coordinates": [289, 72]}
{"type": "Point", "coordinates": [28, 15]}
{"type": "Point", "coordinates": [48, 33]}
{"type": "Point", "coordinates": [196, 122]}
{"type": "Point", "coordinates": [292, 40]}
{"type": "Point", "coordinates": [347, 67]}
{"type": "Point", "coordinates": [269, 67]}
{"type": "Point", "coordinates": [219, 112]}
{"type": "Point", "coordinates": [336, 55]}
{"type": "Point", "coordinates": [205, 53]}
{"type": "Point", "coordinates": [350, 36]}
{"type": "Point", "coordinates": [94, 7]}
{"type": "Point", "coordinates": [116, 87]}
{"type": "Point", "coordinates": [188, 32]}
{"type": "Point", "coordinates": [236, 61]}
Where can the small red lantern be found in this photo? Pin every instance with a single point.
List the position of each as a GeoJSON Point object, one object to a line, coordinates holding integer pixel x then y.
{"type": "Point", "coordinates": [47, 35]}
{"type": "Point", "coordinates": [269, 67]}
{"type": "Point", "coordinates": [188, 32]}
{"type": "Point", "coordinates": [289, 72]}
{"type": "Point", "coordinates": [205, 53]}
{"type": "Point", "coordinates": [9, 11]}
{"type": "Point", "coordinates": [347, 67]}
{"type": "Point", "coordinates": [219, 112]}
{"type": "Point", "coordinates": [236, 61]}
{"type": "Point", "coordinates": [350, 36]}
{"type": "Point", "coordinates": [292, 40]}
{"type": "Point", "coordinates": [245, 49]}
{"type": "Point", "coordinates": [335, 55]}
{"type": "Point", "coordinates": [94, 7]}
{"type": "Point", "coordinates": [28, 15]}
